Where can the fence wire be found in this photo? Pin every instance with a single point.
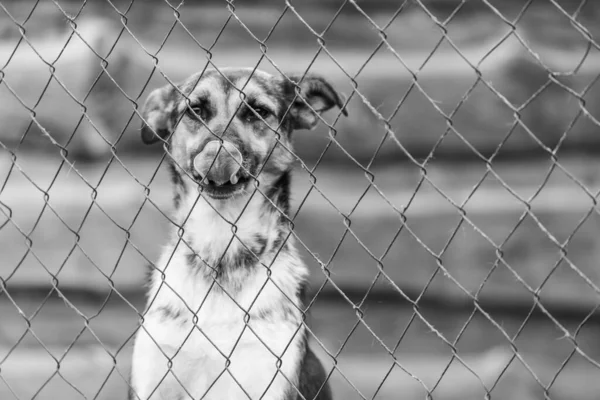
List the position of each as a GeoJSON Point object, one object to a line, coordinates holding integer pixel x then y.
{"type": "Point", "coordinates": [155, 58]}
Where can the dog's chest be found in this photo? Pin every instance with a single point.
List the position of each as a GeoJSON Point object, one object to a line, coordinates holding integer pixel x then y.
{"type": "Point", "coordinates": [234, 338]}
{"type": "Point", "coordinates": [226, 352]}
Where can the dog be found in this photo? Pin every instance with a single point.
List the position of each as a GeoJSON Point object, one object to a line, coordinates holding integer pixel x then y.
{"type": "Point", "coordinates": [225, 314]}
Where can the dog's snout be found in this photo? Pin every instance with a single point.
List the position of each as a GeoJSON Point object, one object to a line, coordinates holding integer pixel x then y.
{"type": "Point", "coordinates": [219, 162]}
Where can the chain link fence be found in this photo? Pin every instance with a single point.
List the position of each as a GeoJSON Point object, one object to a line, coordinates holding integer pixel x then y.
{"type": "Point", "coordinates": [450, 223]}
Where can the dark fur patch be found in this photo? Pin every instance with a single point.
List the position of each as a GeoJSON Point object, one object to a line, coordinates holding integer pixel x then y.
{"type": "Point", "coordinates": [228, 280]}
{"type": "Point", "coordinates": [247, 257]}
{"type": "Point", "coordinates": [208, 268]}
{"type": "Point", "coordinates": [285, 311]}
{"type": "Point", "coordinates": [168, 313]}
{"type": "Point", "coordinates": [191, 259]}
{"type": "Point", "coordinates": [303, 295]}
{"type": "Point", "coordinates": [149, 275]}
{"type": "Point", "coordinates": [177, 199]}
{"type": "Point", "coordinates": [229, 82]}
{"type": "Point", "coordinates": [288, 311]}
{"type": "Point", "coordinates": [194, 81]}
{"type": "Point", "coordinates": [275, 92]}
{"type": "Point", "coordinates": [239, 79]}
{"type": "Point", "coordinates": [278, 244]}
{"type": "Point", "coordinates": [311, 383]}
{"type": "Point", "coordinates": [265, 314]}
{"type": "Point", "coordinates": [199, 266]}
{"type": "Point", "coordinates": [166, 118]}
{"type": "Point", "coordinates": [156, 135]}
{"type": "Point", "coordinates": [261, 245]}
{"type": "Point", "coordinates": [244, 258]}
{"type": "Point", "coordinates": [226, 86]}
{"type": "Point", "coordinates": [279, 194]}
{"type": "Point", "coordinates": [176, 178]}
{"type": "Point", "coordinates": [253, 163]}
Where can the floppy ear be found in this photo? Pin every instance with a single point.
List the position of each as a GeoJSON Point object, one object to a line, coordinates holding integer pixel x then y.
{"type": "Point", "coordinates": [317, 93]}
{"type": "Point", "coordinates": [159, 114]}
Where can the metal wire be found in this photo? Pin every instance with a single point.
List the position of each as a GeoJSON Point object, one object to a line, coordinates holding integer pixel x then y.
{"type": "Point", "coordinates": [389, 135]}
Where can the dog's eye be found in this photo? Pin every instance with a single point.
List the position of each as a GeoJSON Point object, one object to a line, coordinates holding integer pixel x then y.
{"type": "Point", "coordinates": [262, 112]}
{"type": "Point", "coordinates": [198, 111]}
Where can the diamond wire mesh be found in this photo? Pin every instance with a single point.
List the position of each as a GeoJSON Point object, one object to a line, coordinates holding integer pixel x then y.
{"type": "Point", "coordinates": [262, 47]}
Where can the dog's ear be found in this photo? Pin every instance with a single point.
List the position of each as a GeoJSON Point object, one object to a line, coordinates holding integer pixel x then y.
{"type": "Point", "coordinates": [317, 93]}
{"type": "Point", "coordinates": [159, 114]}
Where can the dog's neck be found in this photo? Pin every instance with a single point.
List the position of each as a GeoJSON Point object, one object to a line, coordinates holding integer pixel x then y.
{"type": "Point", "coordinates": [223, 236]}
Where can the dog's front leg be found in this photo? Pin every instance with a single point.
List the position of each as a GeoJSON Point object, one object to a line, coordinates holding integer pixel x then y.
{"type": "Point", "coordinates": [153, 374]}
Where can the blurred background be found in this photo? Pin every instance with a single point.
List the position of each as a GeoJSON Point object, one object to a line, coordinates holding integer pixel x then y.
{"type": "Point", "coordinates": [468, 266]}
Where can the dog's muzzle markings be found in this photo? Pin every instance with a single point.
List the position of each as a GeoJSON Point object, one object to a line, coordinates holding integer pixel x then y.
{"type": "Point", "coordinates": [225, 315]}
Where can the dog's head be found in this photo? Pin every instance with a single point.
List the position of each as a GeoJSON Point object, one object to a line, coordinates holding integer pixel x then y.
{"type": "Point", "coordinates": [226, 127]}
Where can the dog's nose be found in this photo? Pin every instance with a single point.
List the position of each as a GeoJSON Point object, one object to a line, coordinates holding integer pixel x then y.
{"type": "Point", "coordinates": [219, 162]}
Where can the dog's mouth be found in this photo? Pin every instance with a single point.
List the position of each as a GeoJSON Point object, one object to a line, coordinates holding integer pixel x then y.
{"type": "Point", "coordinates": [224, 190]}
{"type": "Point", "coordinates": [218, 170]}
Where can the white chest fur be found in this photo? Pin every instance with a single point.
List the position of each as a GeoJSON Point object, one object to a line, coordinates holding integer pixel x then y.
{"type": "Point", "coordinates": [199, 339]}
{"type": "Point", "coordinates": [227, 356]}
